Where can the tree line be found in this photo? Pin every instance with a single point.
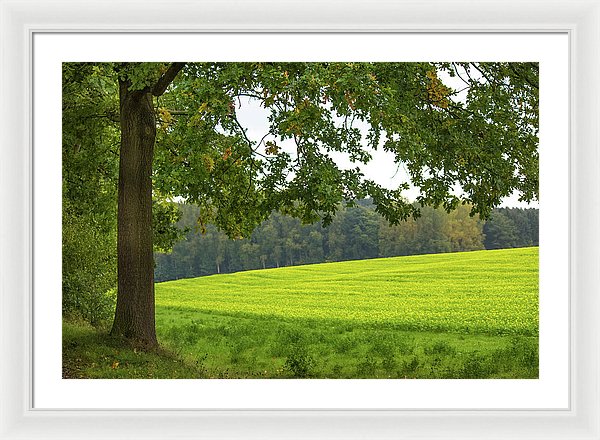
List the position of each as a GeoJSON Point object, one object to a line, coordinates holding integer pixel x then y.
{"type": "Point", "coordinates": [355, 233]}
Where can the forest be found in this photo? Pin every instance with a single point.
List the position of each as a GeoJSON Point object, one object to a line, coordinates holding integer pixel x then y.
{"type": "Point", "coordinates": [355, 233]}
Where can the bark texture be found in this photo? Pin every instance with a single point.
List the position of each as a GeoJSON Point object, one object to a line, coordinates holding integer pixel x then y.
{"type": "Point", "coordinates": [134, 315]}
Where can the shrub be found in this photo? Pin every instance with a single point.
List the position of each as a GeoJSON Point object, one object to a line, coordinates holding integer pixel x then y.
{"type": "Point", "coordinates": [89, 269]}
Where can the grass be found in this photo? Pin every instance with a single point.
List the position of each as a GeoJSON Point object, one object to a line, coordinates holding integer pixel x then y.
{"type": "Point", "coordinates": [237, 347]}
{"type": "Point", "coordinates": [494, 292]}
{"type": "Point", "coordinates": [89, 353]}
{"type": "Point", "coordinates": [462, 315]}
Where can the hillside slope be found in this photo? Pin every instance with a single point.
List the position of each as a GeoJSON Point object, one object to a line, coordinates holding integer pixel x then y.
{"type": "Point", "coordinates": [490, 292]}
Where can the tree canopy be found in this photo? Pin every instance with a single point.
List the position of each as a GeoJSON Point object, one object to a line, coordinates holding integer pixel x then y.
{"type": "Point", "coordinates": [484, 146]}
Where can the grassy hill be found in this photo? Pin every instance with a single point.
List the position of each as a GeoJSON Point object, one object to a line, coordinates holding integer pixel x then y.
{"type": "Point", "coordinates": [460, 315]}
{"type": "Point", "coordinates": [492, 292]}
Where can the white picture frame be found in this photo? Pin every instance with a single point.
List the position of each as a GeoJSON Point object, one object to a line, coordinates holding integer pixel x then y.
{"type": "Point", "coordinates": [19, 21]}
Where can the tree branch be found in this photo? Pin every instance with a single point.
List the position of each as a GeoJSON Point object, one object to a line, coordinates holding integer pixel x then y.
{"type": "Point", "coordinates": [481, 70]}
{"type": "Point", "coordinates": [113, 117]}
{"type": "Point", "coordinates": [179, 112]}
{"type": "Point", "coordinates": [458, 74]}
{"type": "Point", "coordinates": [166, 79]}
{"type": "Point", "coordinates": [248, 141]}
{"type": "Point", "coordinates": [523, 75]}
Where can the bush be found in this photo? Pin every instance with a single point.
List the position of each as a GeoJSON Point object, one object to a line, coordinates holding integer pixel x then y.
{"type": "Point", "coordinates": [89, 269]}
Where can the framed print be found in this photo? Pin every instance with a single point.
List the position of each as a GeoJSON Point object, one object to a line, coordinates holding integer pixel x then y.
{"type": "Point", "coordinates": [288, 351]}
{"type": "Point", "coordinates": [42, 397]}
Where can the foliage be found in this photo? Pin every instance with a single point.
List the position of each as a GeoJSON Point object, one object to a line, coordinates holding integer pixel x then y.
{"type": "Point", "coordinates": [90, 155]}
{"type": "Point", "coordinates": [89, 269]}
{"type": "Point", "coordinates": [355, 233]}
{"type": "Point", "coordinates": [486, 145]}
{"type": "Point", "coordinates": [299, 362]}
{"type": "Point", "coordinates": [90, 158]}
{"type": "Point", "coordinates": [512, 228]}
{"type": "Point", "coordinates": [165, 216]}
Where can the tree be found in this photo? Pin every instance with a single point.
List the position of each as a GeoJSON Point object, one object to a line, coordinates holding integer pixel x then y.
{"type": "Point", "coordinates": [395, 240]}
{"type": "Point", "coordinates": [180, 137]}
{"type": "Point", "coordinates": [500, 232]}
{"type": "Point", "coordinates": [134, 315]}
{"type": "Point", "coordinates": [90, 161]}
{"type": "Point", "coordinates": [526, 225]}
{"type": "Point", "coordinates": [353, 234]}
{"type": "Point", "coordinates": [464, 232]}
{"type": "Point", "coordinates": [512, 227]}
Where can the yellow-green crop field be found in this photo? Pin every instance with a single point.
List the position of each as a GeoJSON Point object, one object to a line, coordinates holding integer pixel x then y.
{"type": "Point", "coordinates": [472, 292]}
{"type": "Point", "coordinates": [470, 314]}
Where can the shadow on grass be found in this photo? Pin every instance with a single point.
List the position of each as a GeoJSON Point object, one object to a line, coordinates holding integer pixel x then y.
{"type": "Point", "coordinates": [90, 353]}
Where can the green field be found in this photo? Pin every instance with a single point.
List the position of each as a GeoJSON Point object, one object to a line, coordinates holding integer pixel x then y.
{"type": "Point", "coordinates": [460, 315]}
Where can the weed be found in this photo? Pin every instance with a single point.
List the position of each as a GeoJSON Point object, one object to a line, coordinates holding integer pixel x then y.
{"type": "Point", "coordinates": [389, 363]}
{"type": "Point", "coordinates": [336, 370]}
{"type": "Point", "coordinates": [344, 344]}
{"type": "Point", "coordinates": [382, 347]}
{"type": "Point", "coordinates": [366, 367]}
{"type": "Point", "coordinates": [440, 347]}
{"type": "Point", "coordinates": [299, 362]}
{"type": "Point", "coordinates": [200, 364]}
{"type": "Point", "coordinates": [474, 367]}
{"type": "Point", "coordinates": [409, 368]}
{"type": "Point", "coordinates": [405, 346]}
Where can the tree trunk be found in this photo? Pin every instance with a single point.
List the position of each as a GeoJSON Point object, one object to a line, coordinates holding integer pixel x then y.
{"type": "Point", "coordinates": [134, 315]}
